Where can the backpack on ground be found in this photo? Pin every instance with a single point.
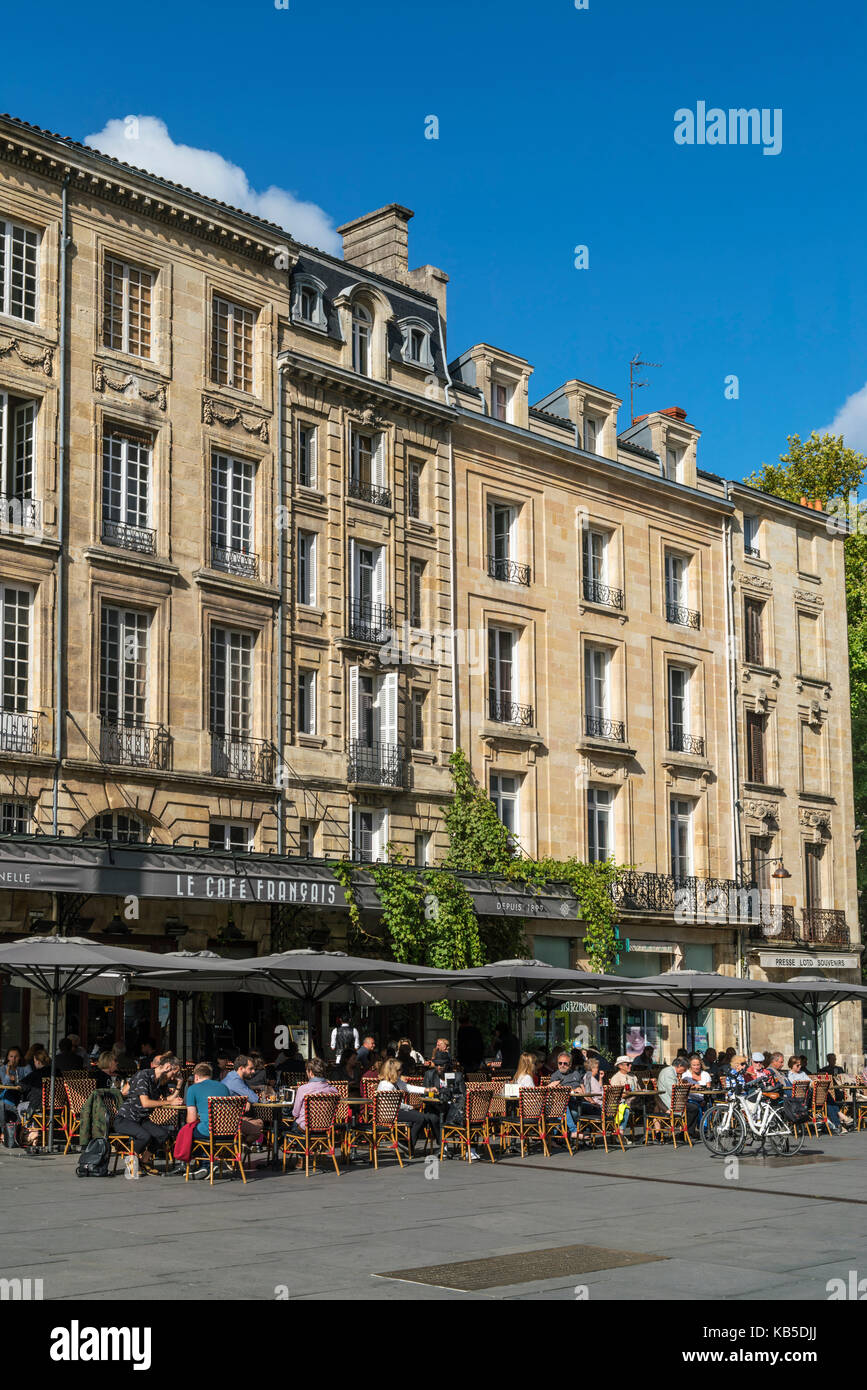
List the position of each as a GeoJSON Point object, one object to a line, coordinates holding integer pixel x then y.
{"type": "Point", "coordinates": [795, 1111]}
{"type": "Point", "coordinates": [93, 1159]}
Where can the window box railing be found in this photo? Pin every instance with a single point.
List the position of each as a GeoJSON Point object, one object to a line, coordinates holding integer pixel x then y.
{"type": "Point", "coordinates": [683, 617]}
{"type": "Point", "coordinates": [753, 552]}
{"type": "Point", "coordinates": [603, 594]}
{"type": "Point", "coordinates": [19, 731]}
{"type": "Point", "coordinates": [376, 764]}
{"type": "Point", "coordinates": [369, 492]}
{"type": "Point", "coordinates": [248, 759]}
{"type": "Point", "coordinates": [19, 514]}
{"type": "Point", "coordinates": [241, 562]}
{"type": "Point", "coordinates": [510, 571]}
{"type": "Point", "coordinates": [613, 729]}
{"type": "Point", "coordinates": [370, 622]}
{"type": "Point", "coordinates": [702, 900]}
{"type": "Point", "coordinates": [679, 742]}
{"type": "Point", "coordinates": [506, 712]}
{"type": "Point", "coordinates": [136, 745]}
{"type": "Point", "coordinates": [138, 538]}
{"type": "Point", "coordinates": [824, 926]}
{"type": "Point", "coordinates": [776, 923]}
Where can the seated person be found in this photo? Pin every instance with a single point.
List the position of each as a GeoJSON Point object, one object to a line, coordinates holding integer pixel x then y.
{"type": "Point", "coordinates": [12, 1073]}
{"type": "Point", "coordinates": [147, 1053]}
{"type": "Point", "coordinates": [390, 1079]}
{"type": "Point", "coordinates": [779, 1072]}
{"type": "Point", "coordinates": [668, 1078]}
{"type": "Point", "coordinates": [315, 1083]}
{"type": "Point", "coordinates": [588, 1097]}
{"type": "Point", "coordinates": [565, 1074]}
{"type": "Point", "coordinates": [442, 1053]}
{"type": "Point", "coordinates": [526, 1072]}
{"type": "Point", "coordinates": [695, 1074]}
{"type": "Point", "coordinates": [830, 1068]}
{"type": "Point", "coordinates": [203, 1086]}
{"type": "Point", "coordinates": [366, 1053]}
{"type": "Point", "coordinates": [67, 1058]}
{"type": "Point", "coordinates": [238, 1081]}
{"type": "Point", "coordinates": [106, 1072]}
{"type": "Point", "coordinates": [347, 1069]}
{"type": "Point", "coordinates": [147, 1090]}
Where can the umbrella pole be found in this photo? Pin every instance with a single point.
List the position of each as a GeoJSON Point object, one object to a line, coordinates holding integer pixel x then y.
{"type": "Point", "coordinates": [547, 1030]}
{"type": "Point", "coordinates": [815, 1013]}
{"type": "Point", "coordinates": [52, 1036]}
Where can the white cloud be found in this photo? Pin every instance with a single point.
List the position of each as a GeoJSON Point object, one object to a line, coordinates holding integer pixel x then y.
{"type": "Point", "coordinates": [851, 421]}
{"type": "Point", "coordinates": [145, 142]}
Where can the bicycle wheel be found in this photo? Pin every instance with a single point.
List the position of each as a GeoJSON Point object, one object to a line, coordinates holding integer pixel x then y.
{"type": "Point", "coordinates": [723, 1131]}
{"type": "Point", "coordinates": [785, 1145]}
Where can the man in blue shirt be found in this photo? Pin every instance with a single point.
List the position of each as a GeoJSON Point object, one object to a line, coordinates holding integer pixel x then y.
{"type": "Point", "coordinates": [238, 1082]}
{"type": "Point", "coordinates": [203, 1086]}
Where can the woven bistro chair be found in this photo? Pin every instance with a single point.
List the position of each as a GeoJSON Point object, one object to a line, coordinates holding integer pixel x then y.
{"type": "Point", "coordinates": [223, 1144]}
{"type": "Point", "coordinates": [673, 1120]}
{"type": "Point", "coordinates": [368, 1086]}
{"type": "Point", "coordinates": [378, 1128]}
{"type": "Point", "coordinates": [474, 1127]}
{"type": "Point", "coordinates": [604, 1124]}
{"type": "Point", "coordinates": [120, 1145]}
{"type": "Point", "coordinates": [319, 1135]}
{"type": "Point", "coordinates": [817, 1104]}
{"type": "Point", "coordinates": [556, 1108]}
{"type": "Point", "coordinates": [77, 1088]}
{"type": "Point", "coordinates": [40, 1118]}
{"type": "Point", "coordinates": [529, 1123]}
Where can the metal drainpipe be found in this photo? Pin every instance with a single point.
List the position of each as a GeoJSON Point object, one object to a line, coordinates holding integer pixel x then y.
{"type": "Point", "coordinates": [281, 643]}
{"type": "Point", "coordinates": [452, 556]}
{"type": "Point", "coordinates": [733, 741]}
{"type": "Point", "coordinates": [60, 597]}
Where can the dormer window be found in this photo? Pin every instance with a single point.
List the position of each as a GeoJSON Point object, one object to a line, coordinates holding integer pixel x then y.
{"type": "Point", "coordinates": [416, 343]}
{"type": "Point", "coordinates": [592, 434]}
{"type": "Point", "coordinates": [362, 335]}
{"type": "Point", "coordinates": [308, 305]}
{"type": "Point", "coordinates": [501, 398]}
{"type": "Point", "coordinates": [674, 465]}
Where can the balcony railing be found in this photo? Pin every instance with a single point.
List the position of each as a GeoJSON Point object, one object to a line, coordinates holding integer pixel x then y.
{"type": "Point", "coordinates": [753, 552]}
{"type": "Point", "coordinates": [368, 492]}
{"type": "Point", "coordinates": [777, 923]}
{"type": "Point", "coordinates": [242, 562]}
{"type": "Point", "coordinates": [248, 759]}
{"type": "Point", "coordinates": [19, 514]}
{"type": "Point", "coordinates": [19, 731]}
{"type": "Point", "coordinates": [136, 745]}
{"type": "Point", "coordinates": [505, 712]}
{"type": "Point", "coordinates": [825, 926]}
{"type": "Point", "coordinates": [370, 622]}
{"type": "Point", "coordinates": [508, 570]}
{"type": "Point", "coordinates": [376, 764]}
{"type": "Point", "coordinates": [612, 729]}
{"type": "Point", "coordinates": [594, 592]}
{"type": "Point", "coordinates": [693, 899]}
{"type": "Point", "coordinates": [679, 742]}
{"type": "Point", "coordinates": [683, 617]}
{"type": "Point", "coordinates": [139, 538]}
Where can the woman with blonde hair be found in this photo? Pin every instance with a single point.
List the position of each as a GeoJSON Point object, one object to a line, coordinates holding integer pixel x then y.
{"type": "Point", "coordinates": [390, 1079]}
{"type": "Point", "coordinates": [526, 1073]}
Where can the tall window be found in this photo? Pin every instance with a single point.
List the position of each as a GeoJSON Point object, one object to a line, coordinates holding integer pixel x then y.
{"type": "Point", "coordinates": [505, 790]}
{"type": "Point", "coordinates": [421, 855]}
{"type": "Point", "coordinates": [681, 838]}
{"type": "Point", "coordinates": [307, 839]}
{"type": "Point", "coordinates": [367, 469]}
{"type": "Point", "coordinates": [596, 687]}
{"type": "Point", "coordinates": [674, 465]}
{"type": "Point", "coordinates": [362, 334]}
{"type": "Point", "coordinates": [753, 616]}
{"type": "Point", "coordinates": [307, 461]}
{"type": "Point", "coordinates": [751, 536]}
{"type": "Point", "coordinates": [755, 730]}
{"type": "Point", "coordinates": [369, 615]}
{"type": "Point", "coordinates": [15, 608]}
{"type": "Point", "coordinates": [760, 869]}
{"type": "Point", "coordinates": [416, 593]}
{"type": "Point", "coordinates": [678, 706]}
{"type": "Point", "coordinates": [126, 489]}
{"type": "Point", "coordinates": [227, 835]}
{"type": "Point", "coordinates": [599, 838]}
{"type": "Point", "coordinates": [368, 833]}
{"type": "Point", "coordinates": [232, 513]}
{"type": "Point", "coordinates": [413, 492]}
{"type": "Point", "coordinates": [592, 431]}
{"type": "Point", "coordinates": [123, 666]}
{"type": "Point", "coordinates": [19, 271]}
{"type": "Point", "coordinates": [373, 708]}
{"type": "Point", "coordinates": [231, 683]}
{"type": "Point", "coordinates": [307, 568]}
{"type": "Point", "coordinates": [501, 672]}
{"type": "Point", "coordinates": [595, 548]}
{"type": "Point", "coordinates": [418, 701]}
{"type": "Point", "coordinates": [501, 524]}
{"type": "Point", "coordinates": [499, 401]}
{"type": "Point", "coordinates": [675, 580]}
{"type": "Point", "coordinates": [17, 446]}
{"type": "Point", "coordinates": [232, 344]}
{"type": "Point", "coordinates": [126, 308]}
{"type": "Point", "coordinates": [813, 875]}
{"type": "Point", "coordinates": [306, 702]}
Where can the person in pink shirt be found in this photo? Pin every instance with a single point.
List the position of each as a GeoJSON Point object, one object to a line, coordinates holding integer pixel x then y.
{"type": "Point", "coordinates": [315, 1082]}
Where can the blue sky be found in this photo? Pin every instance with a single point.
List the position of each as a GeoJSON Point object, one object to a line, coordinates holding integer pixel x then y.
{"type": "Point", "coordinates": [555, 130]}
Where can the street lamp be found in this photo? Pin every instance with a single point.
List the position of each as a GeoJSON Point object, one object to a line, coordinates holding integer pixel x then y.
{"type": "Point", "coordinates": [780, 872]}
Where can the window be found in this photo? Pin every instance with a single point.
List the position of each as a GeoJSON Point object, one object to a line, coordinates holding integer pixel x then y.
{"type": "Point", "coordinates": [595, 556]}
{"type": "Point", "coordinates": [225, 835]}
{"type": "Point", "coordinates": [678, 707]}
{"type": "Point", "coordinates": [369, 834]}
{"type": "Point", "coordinates": [599, 839]}
{"type": "Point", "coordinates": [15, 817]}
{"type": "Point", "coordinates": [370, 616]}
{"type": "Point", "coordinates": [367, 469]}
{"type": "Point", "coordinates": [421, 856]}
{"type": "Point", "coordinates": [505, 791]}
{"type": "Point", "coordinates": [126, 489]}
{"type": "Point", "coordinates": [755, 731]}
{"type": "Point", "coordinates": [416, 593]}
{"type": "Point", "coordinates": [232, 515]}
{"type": "Point", "coordinates": [760, 869]}
{"type": "Point", "coordinates": [117, 825]}
{"type": "Point", "coordinates": [231, 683]}
{"type": "Point", "coordinates": [362, 334]}
{"type": "Point", "coordinates": [501, 523]}
{"type": "Point", "coordinates": [413, 490]}
{"type": "Point", "coordinates": [418, 702]}
{"type": "Point", "coordinates": [808, 645]}
{"type": "Point", "coordinates": [675, 580]}
{"type": "Point", "coordinates": [754, 646]}
{"type": "Point", "coordinates": [373, 708]}
{"type": "Point", "coordinates": [674, 465]}
{"type": "Point", "coordinates": [19, 271]}
{"type": "Point", "coordinates": [123, 668]}
{"type": "Point", "coordinates": [308, 305]}
{"type": "Point", "coordinates": [126, 308]}
{"type": "Point", "coordinates": [596, 688]}
{"type": "Point", "coordinates": [500, 401]}
{"type": "Point", "coordinates": [307, 568]}
{"type": "Point", "coordinates": [417, 343]}
{"type": "Point", "coordinates": [751, 536]}
{"type": "Point", "coordinates": [232, 344]}
{"type": "Point", "coordinates": [17, 727]}
{"type": "Point", "coordinates": [681, 838]}
{"type": "Point", "coordinates": [17, 447]}
{"type": "Point", "coordinates": [307, 702]}
{"type": "Point", "coordinates": [813, 875]}
{"type": "Point", "coordinates": [592, 434]}
{"type": "Point", "coordinates": [501, 673]}
{"type": "Point", "coordinates": [307, 461]}
{"type": "Point", "coordinates": [307, 839]}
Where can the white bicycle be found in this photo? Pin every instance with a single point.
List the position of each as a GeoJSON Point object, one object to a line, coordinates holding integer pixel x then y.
{"type": "Point", "coordinates": [739, 1120]}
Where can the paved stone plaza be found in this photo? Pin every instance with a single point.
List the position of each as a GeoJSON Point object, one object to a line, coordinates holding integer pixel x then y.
{"type": "Point", "coordinates": [658, 1224]}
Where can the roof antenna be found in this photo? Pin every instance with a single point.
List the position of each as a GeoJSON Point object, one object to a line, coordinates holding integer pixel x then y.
{"type": "Point", "coordinates": [635, 365]}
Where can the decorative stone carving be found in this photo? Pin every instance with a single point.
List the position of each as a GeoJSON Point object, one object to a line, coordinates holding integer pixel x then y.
{"type": "Point", "coordinates": [754, 581]}
{"type": "Point", "coordinates": [815, 717]}
{"type": "Point", "coordinates": [103, 382]}
{"type": "Point", "coordinates": [39, 357]}
{"type": "Point", "coordinates": [807, 596]}
{"type": "Point", "coordinates": [761, 701]}
{"type": "Point", "coordinates": [817, 821]}
{"type": "Point", "coordinates": [213, 411]}
{"type": "Point", "coordinates": [767, 811]}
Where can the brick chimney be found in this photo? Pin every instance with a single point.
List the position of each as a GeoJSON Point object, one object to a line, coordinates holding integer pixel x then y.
{"type": "Point", "coordinates": [379, 242]}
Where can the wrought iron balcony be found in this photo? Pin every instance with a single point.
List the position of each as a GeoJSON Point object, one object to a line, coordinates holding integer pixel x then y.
{"type": "Point", "coordinates": [612, 729]}
{"type": "Point", "coordinates": [594, 592]}
{"type": "Point", "coordinates": [19, 731]}
{"type": "Point", "coordinates": [824, 926]}
{"type": "Point", "coordinates": [368, 492]}
{"type": "Point", "coordinates": [753, 552]}
{"type": "Point", "coordinates": [777, 923]}
{"type": "Point", "coordinates": [505, 712]}
{"type": "Point", "coordinates": [683, 617]}
{"type": "Point", "coordinates": [679, 742]}
{"type": "Point", "coordinates": [508, 570]}
{"type": "Point", "coordinates": [242, 562]}
{"type": "Point", "coordinates": [249, 759]}
{"type": "Point", "coordinates": [19, 514]}
{"type": "Point", "coordinates": [703, 900]}
{"type": "Point", "coordinates": [138, 538]}
{"type": "Point", "coordinates": [370, 622]}
{"type": "Point", "coordinates": [136, 745]}
{"type": "Point", "coordinates": [376, 764]}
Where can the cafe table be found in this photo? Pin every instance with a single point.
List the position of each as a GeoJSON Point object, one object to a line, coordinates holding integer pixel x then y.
{"type": "Point", "coordinates": [269, 1112]}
